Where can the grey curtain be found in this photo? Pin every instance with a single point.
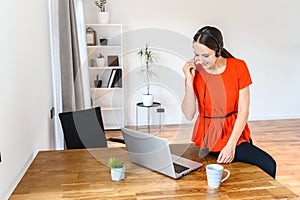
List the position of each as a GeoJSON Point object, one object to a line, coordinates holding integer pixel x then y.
{"type": "Point", "coordinates": [73, 56]}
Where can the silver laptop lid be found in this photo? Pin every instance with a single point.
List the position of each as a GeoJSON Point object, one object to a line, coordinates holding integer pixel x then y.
{"type": "Point", "coordinates": [149, 151]}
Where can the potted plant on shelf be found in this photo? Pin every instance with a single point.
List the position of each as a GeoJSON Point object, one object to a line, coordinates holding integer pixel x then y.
{"type": "Point", "coordinates": [147, 56]}
{"type": "Point", "coordinates": [100, 60]}
{"type": "Point", "coordinates": [103, 16]}
{"type": "Point", "coordinates": [117, 169]}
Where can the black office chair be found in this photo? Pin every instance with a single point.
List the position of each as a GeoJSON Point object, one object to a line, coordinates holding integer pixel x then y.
{"type": "Point", "coordinates": [84, 129]}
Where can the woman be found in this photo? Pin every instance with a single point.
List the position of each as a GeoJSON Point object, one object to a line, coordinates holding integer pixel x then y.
{"type": "Point", "coordinates": [217, 84]}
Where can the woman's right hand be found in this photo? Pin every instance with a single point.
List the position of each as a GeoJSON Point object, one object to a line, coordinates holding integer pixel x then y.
{"type": "Point", "coordinates": [189, 70]}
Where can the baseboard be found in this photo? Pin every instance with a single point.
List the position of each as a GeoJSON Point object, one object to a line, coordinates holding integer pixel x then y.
{"type": "Point", "coordinates": [13, 185]}
{"type": "Point", "coordinates": [281, 117]}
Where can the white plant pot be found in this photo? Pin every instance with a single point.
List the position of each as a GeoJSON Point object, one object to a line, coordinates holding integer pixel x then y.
{"type": "Point", "coordinates": [117, 174]}
{"type": "Point", "coordinates": [100, 62]}
{"type": "Point", "coordinates": [103, 17]}
{"type": "Point", "coordinates": [147, 99]}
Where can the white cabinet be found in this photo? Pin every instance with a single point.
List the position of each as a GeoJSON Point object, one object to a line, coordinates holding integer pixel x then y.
{"type": "Point", "coordinates": [109, 92]}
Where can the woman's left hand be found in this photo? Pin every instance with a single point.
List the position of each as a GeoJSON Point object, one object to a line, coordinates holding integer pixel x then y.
{"type": "Point", "coordinates": [227, 154]}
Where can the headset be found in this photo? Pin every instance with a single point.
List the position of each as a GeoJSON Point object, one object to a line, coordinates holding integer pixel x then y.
{"type": "Point", "coordinates": [218, 51]}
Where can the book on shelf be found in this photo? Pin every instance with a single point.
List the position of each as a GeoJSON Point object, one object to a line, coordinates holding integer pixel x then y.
{"type": "Point", "coordinates": [111, 78]}
{"type": "Point", "coordinates": [115, 79]}
{"type": "Point", "coordinates": [118, 79]}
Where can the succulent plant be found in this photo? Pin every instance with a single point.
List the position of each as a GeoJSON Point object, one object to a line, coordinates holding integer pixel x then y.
{"type": "Point", "coordinates": [100, 55]}
{"type": "Point", "coordinates": [113, 162]}
{"type": "Point", "coordinates": [101, 4]}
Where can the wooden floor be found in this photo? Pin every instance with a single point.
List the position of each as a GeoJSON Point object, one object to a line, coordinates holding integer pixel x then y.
{"type": "Point", "coordinates": [280, 138]}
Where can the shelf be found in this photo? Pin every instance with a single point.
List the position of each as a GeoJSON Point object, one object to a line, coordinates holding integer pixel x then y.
{"type": "Point", "coordinates": [110, 99]}
{"type": "Point", "coordinates": [103, 46]}
{"type": "Point", "coordinates": [103, 68]}
{"type": "Point", "coordinates": [103, 24]}
{"type": "Point", "coordinates": [105, 88]}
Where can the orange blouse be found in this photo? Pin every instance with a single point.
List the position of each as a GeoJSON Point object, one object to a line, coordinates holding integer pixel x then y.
{"type": "Point", "coordinates": [217, 97]}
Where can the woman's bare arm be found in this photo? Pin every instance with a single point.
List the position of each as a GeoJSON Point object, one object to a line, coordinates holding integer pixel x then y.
{"type": "Point", "coordinates": [188, 105]}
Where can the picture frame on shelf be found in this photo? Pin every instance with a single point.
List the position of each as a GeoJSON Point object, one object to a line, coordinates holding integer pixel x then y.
{"type": "Point", "coordinates": [113, 60]}
{"type": "Point", "coordinates": [90, 37]}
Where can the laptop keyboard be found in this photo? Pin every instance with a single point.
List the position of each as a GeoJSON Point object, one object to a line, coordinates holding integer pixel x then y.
{"type": "Point", "coordinates": [179, 168]}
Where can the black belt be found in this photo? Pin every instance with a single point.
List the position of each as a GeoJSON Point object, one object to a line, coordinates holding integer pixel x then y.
{"type": "Point", "coordinates": [221, 117]}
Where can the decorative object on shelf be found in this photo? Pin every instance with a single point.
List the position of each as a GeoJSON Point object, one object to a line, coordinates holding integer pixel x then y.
{"type": "Point", "coordinates": [103, 41]}
{"type": "Point", "coordinates": [103, 16]}
{"type": "Point", "coordinates": [90, 36]}
{"type": "Point", "coordinates": [147, 57]}
{"type": "Point", "coordinates": [100, 60]}
{"type": "Point", "coordinates": [93, 63]}
{"type": "Point", "coordinates": [98, 82]}
{"type": "Point", "coordinates": [117, 169]}
{"type": "Point", "coordinates": [113, 60]}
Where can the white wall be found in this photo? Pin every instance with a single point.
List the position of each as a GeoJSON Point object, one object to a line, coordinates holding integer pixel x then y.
{"type": "Point", "coordinates": [263, 33]}
{"type": "Point", "coordinates": [25, 87]}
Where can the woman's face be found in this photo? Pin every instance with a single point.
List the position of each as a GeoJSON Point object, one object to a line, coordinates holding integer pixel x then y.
{"type": "Point", "coordinates": [204, 55]}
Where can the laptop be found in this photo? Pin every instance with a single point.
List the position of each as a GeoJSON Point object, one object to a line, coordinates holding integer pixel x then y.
{"type": "Point", "coordinates": [154, 153]}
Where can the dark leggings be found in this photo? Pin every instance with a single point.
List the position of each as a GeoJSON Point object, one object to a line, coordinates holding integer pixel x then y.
{"type": "Point", "coordinates": [248, 153]}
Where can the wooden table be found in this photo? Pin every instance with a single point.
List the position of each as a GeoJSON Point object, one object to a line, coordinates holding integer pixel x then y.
{"type": "Point", "coordinates": [84, 174]}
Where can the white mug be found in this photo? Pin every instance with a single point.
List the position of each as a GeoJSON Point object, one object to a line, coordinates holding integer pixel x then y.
{"type": "Point", "coordinates": [214, 174]}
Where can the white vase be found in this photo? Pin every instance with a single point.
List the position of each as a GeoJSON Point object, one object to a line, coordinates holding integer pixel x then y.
{"type": "Point", "coordinates": [147, 99]}
{"type": "Point", "coordinates": [103, 17]}
{"type": "Point", "coordinates": [100, 62]}
{"type": "Point", "coordinates": [117, 174]}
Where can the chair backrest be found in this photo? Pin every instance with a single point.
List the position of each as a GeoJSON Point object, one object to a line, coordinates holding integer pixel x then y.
{"type": "Point", "coordinates": [83, 128]}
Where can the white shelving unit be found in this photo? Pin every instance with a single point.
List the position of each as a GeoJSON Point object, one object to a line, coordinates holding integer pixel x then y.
{"type": "Point", "coordinates": [110, 99]}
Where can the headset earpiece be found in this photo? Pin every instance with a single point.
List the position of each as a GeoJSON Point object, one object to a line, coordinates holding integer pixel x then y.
{"type": "Point", "coordinates": [219, 50]}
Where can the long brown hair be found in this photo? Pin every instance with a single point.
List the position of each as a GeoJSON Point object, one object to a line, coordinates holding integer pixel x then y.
{"type": "Point", "coordinates": [213, 39]}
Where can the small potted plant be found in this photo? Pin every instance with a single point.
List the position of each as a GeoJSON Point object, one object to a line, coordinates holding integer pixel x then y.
{"type": "Point", "coordinates": [103, 16]}
{"type": "Point", "coordinates": [147, 56]}
{"type": "Point", "coordinates": [103, 40]}
{"type": "Point", "coordinates": [100, 60]}
{"type": "Point", "coordinates": [117, 169]}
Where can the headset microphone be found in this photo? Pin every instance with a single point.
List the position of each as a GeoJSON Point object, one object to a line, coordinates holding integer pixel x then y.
{"type": "Point", "coordinates": [197, 68]}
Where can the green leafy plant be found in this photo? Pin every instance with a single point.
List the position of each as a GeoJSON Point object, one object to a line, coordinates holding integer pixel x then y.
{"type": "Point", "coordinates": [113, 162]}
{"type": "Point", "coordinates": [100, 55]}
{"type": "Point", "coordinates": [148, 57]}
{"type": "Point", "coordinates": [101, 4]}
